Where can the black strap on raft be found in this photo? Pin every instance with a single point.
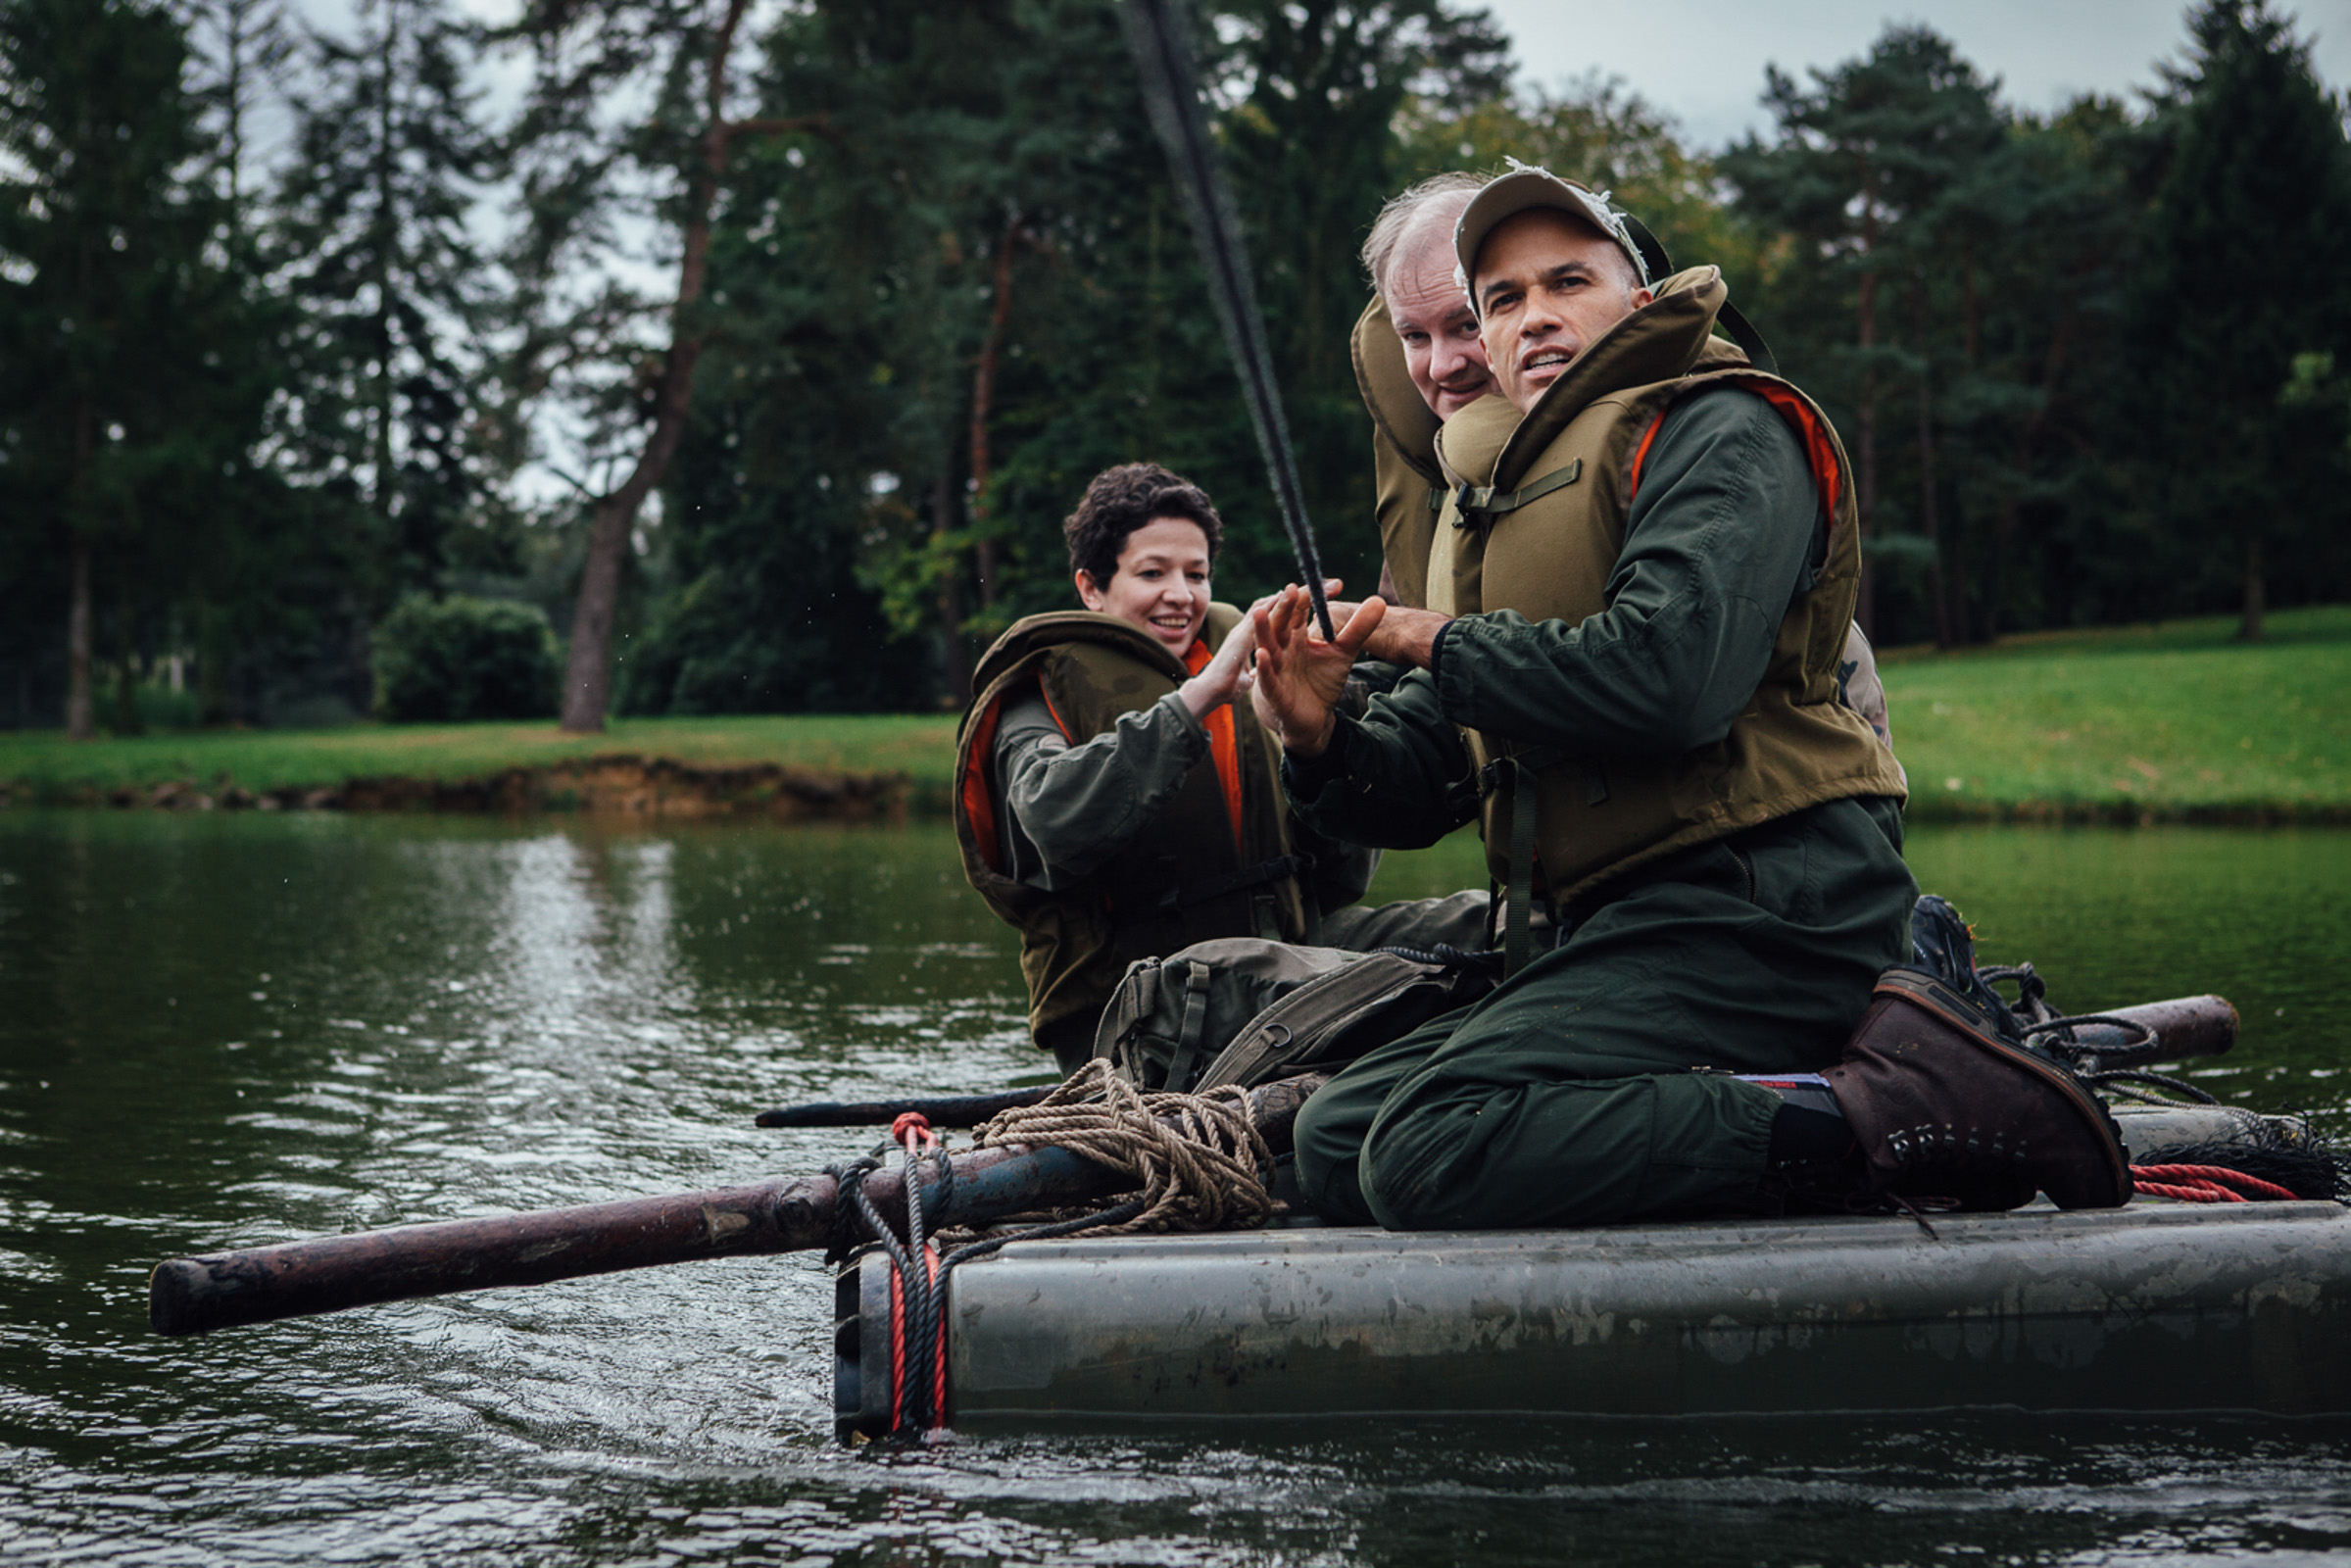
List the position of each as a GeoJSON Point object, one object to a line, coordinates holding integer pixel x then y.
{"type": "Point", "coordinates": [940, 1110]}
{"type": "Point", "coordinates": [1483, 502]}
{"type": "Point", "coordinates": [1514, 776]}
{"type": "Point", "coordinates": [1733, 320]}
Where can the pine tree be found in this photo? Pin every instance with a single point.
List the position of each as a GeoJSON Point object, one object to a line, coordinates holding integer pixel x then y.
{"type": "Point", "coordinates": [1859, 171]}
{"type": "Point", "coordinates": [632, 114]}
{"type": "Point", "coordinates": [110, 382]}
{"type": "Point", "coordinates": [374, 247]}
{"type": "Point", "coordinates": [2257, 191]}
{"type": "Point", "coordinates": [989, 294]}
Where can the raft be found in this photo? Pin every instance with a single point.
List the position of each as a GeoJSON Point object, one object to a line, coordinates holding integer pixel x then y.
{"type": "Point", "coordinates": [2154, 1307]}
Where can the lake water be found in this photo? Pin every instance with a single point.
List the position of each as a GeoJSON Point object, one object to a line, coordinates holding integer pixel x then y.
{"type": "Point", "coordinates": [222, 1031]}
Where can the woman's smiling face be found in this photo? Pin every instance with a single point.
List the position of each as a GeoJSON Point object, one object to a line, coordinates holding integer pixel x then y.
{"type": "Point", "coordinates": [1160, 584]}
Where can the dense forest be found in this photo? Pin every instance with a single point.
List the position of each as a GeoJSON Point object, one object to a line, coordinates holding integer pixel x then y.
{"type": "Point", "coordinates": [748, 357]}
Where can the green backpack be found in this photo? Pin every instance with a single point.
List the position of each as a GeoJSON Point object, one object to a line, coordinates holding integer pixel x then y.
{"type": "Point", "coordinates": [1244, 1010]}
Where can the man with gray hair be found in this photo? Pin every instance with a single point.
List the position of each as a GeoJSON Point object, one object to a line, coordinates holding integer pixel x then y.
{"type": "Point", "coordinates": [1419, 360]}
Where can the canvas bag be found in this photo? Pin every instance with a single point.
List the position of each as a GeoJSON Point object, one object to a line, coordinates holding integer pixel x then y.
{"type": "Point", "coordinates": [1243, 1010]}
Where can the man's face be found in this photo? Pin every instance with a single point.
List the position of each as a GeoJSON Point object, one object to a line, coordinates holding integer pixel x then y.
{"type": "Point", "coordinates": [1432, 317]}
{"type": "Point", "coordinates": [1162, 583]}
{"type": "Point", "coordinates": [1546, 286]}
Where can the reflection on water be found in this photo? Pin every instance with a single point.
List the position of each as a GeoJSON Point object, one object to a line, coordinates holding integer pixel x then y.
{"type": "Point", "coordinates": [224, 1031]}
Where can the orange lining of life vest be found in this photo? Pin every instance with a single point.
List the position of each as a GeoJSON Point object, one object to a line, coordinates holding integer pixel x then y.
{"type": "Point", "coordinates": [1223, 743]}
{"type": "Point", "coordinates": [979, 802]}
{"type": "Point", "coordinates": [1820, 451]}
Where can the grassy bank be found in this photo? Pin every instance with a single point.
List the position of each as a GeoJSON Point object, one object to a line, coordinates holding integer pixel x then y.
{"type": "Point", "coordinates": [2170, 722]}
{"type": "Point", "coordinates": [43, 766]}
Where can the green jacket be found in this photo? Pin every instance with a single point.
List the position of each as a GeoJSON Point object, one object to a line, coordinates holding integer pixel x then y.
{"type": "Point", "coordinates": [1668, 668]}
{"type": "Point", "coordinates": [1156, 879]}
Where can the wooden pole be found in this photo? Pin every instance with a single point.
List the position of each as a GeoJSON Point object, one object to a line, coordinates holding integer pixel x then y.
{"type": "Point", "coordinates": [301, 1279]}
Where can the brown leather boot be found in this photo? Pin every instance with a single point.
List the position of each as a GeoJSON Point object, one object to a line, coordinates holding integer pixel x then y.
{"type": "Point", "coordinates": [1944, 1108]}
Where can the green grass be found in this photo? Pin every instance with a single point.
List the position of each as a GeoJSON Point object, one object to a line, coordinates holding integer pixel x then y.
{"type": "Point", "coordinates": [2175, 720]}
{"type": "Point", "coordinates": [45, 765]}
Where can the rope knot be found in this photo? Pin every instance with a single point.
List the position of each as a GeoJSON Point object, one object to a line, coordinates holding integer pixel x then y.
{"type": "Point", "coordinates": [1199, 1159]}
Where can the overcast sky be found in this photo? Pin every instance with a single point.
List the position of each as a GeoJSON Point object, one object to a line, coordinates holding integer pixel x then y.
{"type": "Point", "coordinates": [1703, 61]}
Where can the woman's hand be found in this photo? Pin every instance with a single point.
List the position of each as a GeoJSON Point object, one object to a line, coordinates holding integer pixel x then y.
{"type": "Point", "coordinates": [1299, 676]}
{"type": "Point", "coordinates": [1225, 676]}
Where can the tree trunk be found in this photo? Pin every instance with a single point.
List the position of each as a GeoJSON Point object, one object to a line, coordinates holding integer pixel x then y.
{"type": "Point", "coordinates": [81, 718]}
{"type": "Point", "coordinates": [212, 664]}
{"type": "Point", "coordinates": [2003, 532]}
{"type": "Point", "coordinates": [380, 326]}
{"type": "Point", "coordinates": [2249, 627]}
{"type": "Point", "coordinates": [80, 725]}
{"type": "Point", "coordinates": [588, 676]}
{"type": "Point", "coordinates": [1937, 579]}
{"type": "Point", "coordinates": [1865, 447]}
{"type": "Point", "coordinates": [955, 669]}
{"type": "Point", "coordinates": [983, 400]}
{"type": "Point", "coordinates": [126, 674]}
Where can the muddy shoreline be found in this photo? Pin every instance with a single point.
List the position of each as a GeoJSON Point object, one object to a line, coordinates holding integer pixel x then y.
{"type": "Point", "coordinates": [616, 784]}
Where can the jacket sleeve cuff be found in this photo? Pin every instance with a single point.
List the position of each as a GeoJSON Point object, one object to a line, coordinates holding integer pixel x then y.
{"type": "Point", "coordinates": [1307, 777]}
{"type": "Point", "coordinates": [1437, 650]}
{"type": "Point", "coordinates": [1193, 733]}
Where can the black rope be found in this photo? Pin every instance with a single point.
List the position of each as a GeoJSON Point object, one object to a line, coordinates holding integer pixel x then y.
{"type": "Point", "coordinates": [2089, 1056]}
{"type": "Point", "coordinates": [2125, 1078]}
{"type": "Point", "coordinates": [848, 1178]}
{"type": "Point", "coordinates": [924, 1300]}
{"type": "Point", "coordinates": [1119, 1215]}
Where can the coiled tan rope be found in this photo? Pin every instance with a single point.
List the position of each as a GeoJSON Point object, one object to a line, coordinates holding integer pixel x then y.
{"type": "Point", "coordinates": [1199, 1159]}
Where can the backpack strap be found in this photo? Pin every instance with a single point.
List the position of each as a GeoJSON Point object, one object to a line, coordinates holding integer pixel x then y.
{"type": "Point", "coordinates": [1183, 1063]}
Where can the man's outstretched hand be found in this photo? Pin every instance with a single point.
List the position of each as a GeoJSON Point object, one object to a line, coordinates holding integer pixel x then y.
{"type": "Point", "coordinates": [1299, 676]}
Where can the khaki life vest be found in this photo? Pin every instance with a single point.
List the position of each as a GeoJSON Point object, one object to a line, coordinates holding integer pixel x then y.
{"type": "Point", "coordinates": [1535, 522]}
{"type": "Point", "coordinates": [1191, 875]}
{"type": "Point", "coordinates": [1408, 483]}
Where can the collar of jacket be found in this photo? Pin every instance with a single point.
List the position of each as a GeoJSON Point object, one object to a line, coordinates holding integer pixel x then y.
{"type": "Point", "coordinates": [1403, 419]}
{"type": "Point", "coordinates": [1489, 443]}
{"type": "Point", "coordinates": [1035, 634]}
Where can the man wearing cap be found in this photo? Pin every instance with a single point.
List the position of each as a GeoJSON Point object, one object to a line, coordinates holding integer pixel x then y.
{"type": "Point", "coordinates": [1419, 360]}
{"type": "Point", "coordinates": [1638, 591]}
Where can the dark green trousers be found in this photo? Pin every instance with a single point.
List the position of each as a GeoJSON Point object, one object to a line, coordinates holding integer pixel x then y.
{"type": "Point", "coordinates": [1571, 1094]}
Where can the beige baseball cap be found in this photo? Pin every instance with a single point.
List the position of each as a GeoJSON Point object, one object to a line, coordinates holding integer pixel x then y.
{"type": "Point", "coordinates": [1526, 186]}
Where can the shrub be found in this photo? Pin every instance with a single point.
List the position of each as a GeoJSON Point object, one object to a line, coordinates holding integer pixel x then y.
{"type": "Point", "coordinates": [463, 658]}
